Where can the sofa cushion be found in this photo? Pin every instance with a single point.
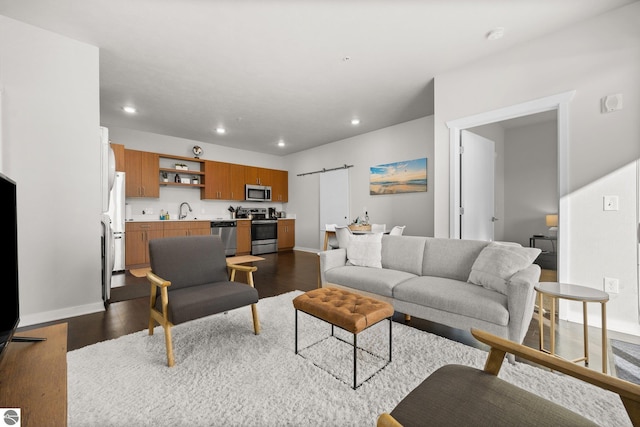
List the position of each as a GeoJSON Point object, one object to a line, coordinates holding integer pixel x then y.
{"type": "Point", "coordinates": [455, 296]}
{"type": "Point", "coordinates": [365, 250]}
{"type": "Point", "coordinates": [450, 258]}
{"type": "Point", "coordinates": [376, 280]}
{"type": "Point", "coordinates": [403, 253]}
{"type": "Point", "coordinates": [497, 262]}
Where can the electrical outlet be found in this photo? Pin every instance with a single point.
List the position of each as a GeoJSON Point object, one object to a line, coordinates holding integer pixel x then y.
{"type": "Point", "coordinates": [611, 285]}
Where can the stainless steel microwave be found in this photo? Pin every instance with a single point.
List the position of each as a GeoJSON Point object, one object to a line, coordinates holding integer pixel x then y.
{"type": "Point", "coordinates": [257, 193]}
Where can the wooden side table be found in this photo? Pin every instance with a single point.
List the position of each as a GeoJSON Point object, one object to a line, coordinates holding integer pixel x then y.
{"type": "Point", "coordinates": [555, 290]}
{"type": "Point", "coordinates": [33, 377]}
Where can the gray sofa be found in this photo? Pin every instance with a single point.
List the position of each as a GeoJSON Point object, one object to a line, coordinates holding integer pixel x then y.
{"type": "Point", "coordinates": [429, 278]}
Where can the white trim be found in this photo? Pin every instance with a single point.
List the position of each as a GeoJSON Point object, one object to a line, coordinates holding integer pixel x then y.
{"type": "Point", "coordinates": [558, 102]}
{"type": "Point", "coordinates": [64, 313]}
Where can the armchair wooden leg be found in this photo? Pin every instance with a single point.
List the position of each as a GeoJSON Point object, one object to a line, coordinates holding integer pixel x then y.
{"type": "Point", "coordinates": [151, 325]}
{"type": "Point", "coordinates": [169, 343]}
{"type": "Point", "coordinates": [256, 321]}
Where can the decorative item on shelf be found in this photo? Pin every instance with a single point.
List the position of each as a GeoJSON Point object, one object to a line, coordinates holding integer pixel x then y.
{"type": "Point", "coordinates": [185, 180]}
{"type": "Point", "coordinates": [177, 178]}
{"type": "Point", "coordinates": [182, 167]}
{"type": "Point", "coordinates": [165, 177]}
{"type": "Point", "coordinates": [197, 151]}
{"type": "Point", "coordinates": [195, 180]}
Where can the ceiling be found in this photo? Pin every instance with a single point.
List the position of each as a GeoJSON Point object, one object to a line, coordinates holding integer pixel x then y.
{"type": "Point", "coordinates": [295, 71]}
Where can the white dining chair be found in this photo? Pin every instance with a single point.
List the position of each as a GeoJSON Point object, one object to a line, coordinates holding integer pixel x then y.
{"type": "Point", "coordinates": [397, 230]}
{"type": "Point", "coordinates": [330, 240]}
{"type": "Point", "coordinates": [378, 228]}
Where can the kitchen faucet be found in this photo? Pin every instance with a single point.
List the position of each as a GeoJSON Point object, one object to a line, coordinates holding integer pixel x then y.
{"type": "Point", "coordinates": [180, 216]}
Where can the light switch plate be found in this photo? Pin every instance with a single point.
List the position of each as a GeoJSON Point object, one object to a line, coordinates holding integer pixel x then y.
{"type": "Point", "coordinates": [610, 203]}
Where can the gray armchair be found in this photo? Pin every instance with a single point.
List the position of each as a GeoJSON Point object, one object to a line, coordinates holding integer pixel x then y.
{"type": "Point", "coordinates": [456, 395]}
{"type": "Point", "coordinates": [193, 278]}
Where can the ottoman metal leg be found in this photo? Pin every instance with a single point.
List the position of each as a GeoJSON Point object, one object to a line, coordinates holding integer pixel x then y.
{"type": "Point", "coordinates": [296, 332]}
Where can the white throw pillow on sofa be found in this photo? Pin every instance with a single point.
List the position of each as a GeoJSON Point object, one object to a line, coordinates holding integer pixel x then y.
{"type": "Point", "coordinates": [498, 262]}
{"type": "Point", "coordinates": [365, 250]}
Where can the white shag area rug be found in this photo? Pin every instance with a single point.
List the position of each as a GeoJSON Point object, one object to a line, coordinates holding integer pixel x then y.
{"type": "Point", "coordinates": [227, 376]}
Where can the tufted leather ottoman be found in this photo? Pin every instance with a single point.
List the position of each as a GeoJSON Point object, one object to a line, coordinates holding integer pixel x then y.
{"type": "Point", "coordinates": [349, 311]}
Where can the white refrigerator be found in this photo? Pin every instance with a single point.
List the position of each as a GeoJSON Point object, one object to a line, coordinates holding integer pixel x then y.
{"type": "Point", "coordinates": [117, 216]}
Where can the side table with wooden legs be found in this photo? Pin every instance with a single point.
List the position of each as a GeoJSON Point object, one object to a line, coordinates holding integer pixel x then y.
{"type": "Point", "coordinates": [555, 290]}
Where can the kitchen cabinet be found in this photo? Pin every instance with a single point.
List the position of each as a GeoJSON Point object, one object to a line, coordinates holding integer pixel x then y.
{"type": "Point", "coordinates": [118, 151]}
{"type": "Point", "coordinates": [142, 170]}
{"type": "Point", "coordinates": [257, 176]}
{"type": "Point", "coordinates": [137, 239]}
{"type": "Point", "coordinates": [280, 186]}
{"type": "Point", "coordinates": [223, 181]}
{"type": "Point", "coordinates": [286, 234]}
{"type": "Point", "coordinates": [243, 241]}
{"type": "Point", "coordinates": [186, 228]}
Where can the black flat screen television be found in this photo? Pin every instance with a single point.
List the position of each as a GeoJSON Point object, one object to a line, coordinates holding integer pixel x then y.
{"type": "Point", "coordinates": [9, 302]}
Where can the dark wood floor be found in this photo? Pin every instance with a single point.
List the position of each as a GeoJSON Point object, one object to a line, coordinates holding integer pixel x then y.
{"type": "Point", "coordinates": [281, 273]}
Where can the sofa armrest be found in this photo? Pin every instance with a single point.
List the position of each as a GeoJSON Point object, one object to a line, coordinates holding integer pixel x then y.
{"type": "Point", "coordinates": [521, 298]}
{"type": "Point", "coordinates": [331, 259]}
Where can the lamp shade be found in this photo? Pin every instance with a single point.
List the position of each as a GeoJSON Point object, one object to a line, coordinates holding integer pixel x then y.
{"type": "Point", "coordinates": [552, 220]}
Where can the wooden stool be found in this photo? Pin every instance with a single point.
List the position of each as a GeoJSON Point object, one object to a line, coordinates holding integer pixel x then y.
{"type": "Point", "coordinates": [349, 311]}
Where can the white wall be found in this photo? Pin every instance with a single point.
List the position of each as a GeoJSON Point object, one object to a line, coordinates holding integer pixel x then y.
{"type": "Point", "coordinates": [50, 147]}
{"type": "Point", "coordinates": [171, 197]}
{"type": "Point", "coordinates": [406, 141]}
{"type": "Point", "coordinates": [595, 58]}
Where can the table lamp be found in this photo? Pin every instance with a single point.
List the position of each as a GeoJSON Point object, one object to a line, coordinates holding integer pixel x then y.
{"type": "Point", "coordinates": [552, 222]}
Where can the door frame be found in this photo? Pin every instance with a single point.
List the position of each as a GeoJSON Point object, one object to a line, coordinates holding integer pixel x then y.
{"type": "Point", "coordinates": [560, 103]}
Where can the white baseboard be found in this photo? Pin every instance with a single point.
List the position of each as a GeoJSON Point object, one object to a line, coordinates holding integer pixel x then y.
{"type": "Point", "coordinates": [313, 250]}
{"type": "Point", "coordinates": [63, 313]}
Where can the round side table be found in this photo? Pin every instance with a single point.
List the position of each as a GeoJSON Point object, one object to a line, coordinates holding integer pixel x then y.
{"type": "Point", "coordinates": [555, 290]}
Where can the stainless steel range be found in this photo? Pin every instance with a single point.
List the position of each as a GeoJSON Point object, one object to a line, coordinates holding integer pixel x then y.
{"type": "Point", "coordinates": [264, 232]}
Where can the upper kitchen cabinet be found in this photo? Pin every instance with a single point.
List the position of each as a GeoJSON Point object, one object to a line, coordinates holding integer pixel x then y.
{"type": "Point", "coordinates": [142, 169]}
{"type": "Point", "coordinates": [118, 151]}
{"type": "Point", "coordinates": [258, 176]}
{"type": "Point", "coordinates": [280, 186]}
{"type": "Point", "coordinates": [224, 181]}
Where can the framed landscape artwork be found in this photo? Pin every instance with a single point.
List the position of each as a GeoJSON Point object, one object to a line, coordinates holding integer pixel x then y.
{"type": "Point", "coordinates": [400, 177]}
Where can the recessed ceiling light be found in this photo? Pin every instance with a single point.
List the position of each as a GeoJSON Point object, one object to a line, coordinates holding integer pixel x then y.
{"type": "Point", "coordinates": [281, 143]}
{"type": "Point", "coordinates": [220, 130]}
{"type": "Point", "coordinates": [355, 121]}
{"type": "Point", "coordinates": [495, 34]}
{"type": "Point", "coordinates": [129, 109]}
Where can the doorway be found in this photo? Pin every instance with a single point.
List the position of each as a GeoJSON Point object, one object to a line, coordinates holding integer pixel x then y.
{"type": "Point", "coordinates": [558, 104]}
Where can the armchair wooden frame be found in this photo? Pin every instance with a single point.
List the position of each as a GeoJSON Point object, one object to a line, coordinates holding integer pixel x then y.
{"type": "Point", "coordinates": [629, 392]}
{"type": "Point", "coordinates": [162, 318]}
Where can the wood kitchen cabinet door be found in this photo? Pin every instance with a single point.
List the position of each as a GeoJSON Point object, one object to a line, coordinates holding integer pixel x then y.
{"type": "Point", "coordinates": [118, 152]}
{"type": "Point", "coordinates": [142, 169]}
{"type": "Point", "coordinates": [257, 176]}
{"type": "Point", "coordinates": [280, 186]}
{"type": "Point", "coordinates": [236, 184]}
{"type": "Point", "coordinates": [286, 234]}
{"type": "Point", "coordinates": [136, 241]}
{"type": "Point", "coordinates": [216, 181]}
{"type": "Point", "coordinates": [243, 241]}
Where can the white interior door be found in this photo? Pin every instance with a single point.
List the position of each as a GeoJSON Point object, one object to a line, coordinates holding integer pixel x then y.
{"type": "Point", "coordinates": [477, 187]}
{"type": "Point", "coordinates": [334, 198]}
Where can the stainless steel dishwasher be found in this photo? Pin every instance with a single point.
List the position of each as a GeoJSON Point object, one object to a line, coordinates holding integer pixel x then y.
{"type": "Point", "coordinates": [227, 232]}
